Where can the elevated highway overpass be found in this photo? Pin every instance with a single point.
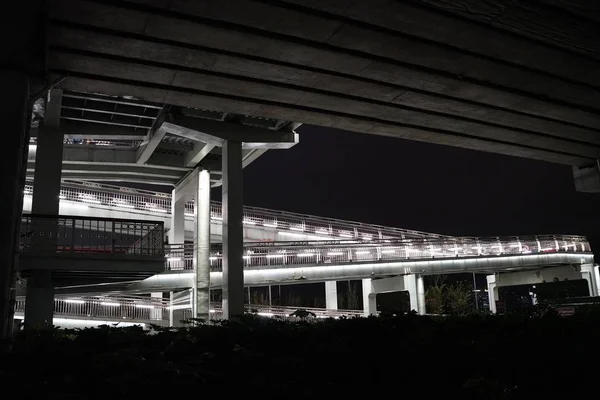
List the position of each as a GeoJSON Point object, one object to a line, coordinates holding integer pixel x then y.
{"type": "Point", "coordinates": [498, 76]}
{"type": "Point", "coordinates": [169, 92]}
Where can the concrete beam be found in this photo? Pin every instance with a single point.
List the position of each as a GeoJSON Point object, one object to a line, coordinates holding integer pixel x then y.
{"type": "Point", "coordinates": [587, 179]}
{"type": "Point", "coordinates": [89, 131]}
{"type": "Point", "coordinates": [145, 150]}
{"type": "Point", "coordinates": [114, 171]}
{"type": "Point", "coordinates": [215, 133]}
{"type": "Point", "coordinates": [251, 156]}
{"type": "Point", "coordinates": [201, 150]}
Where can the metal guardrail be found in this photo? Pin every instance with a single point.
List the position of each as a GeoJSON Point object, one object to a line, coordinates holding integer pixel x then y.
{"type": "Point", "coordinates": [155, 203]}
{"type": "Point", "coordinates": [151, 310]}
{"type": "Point", "coordinates": [144, 310]}
{"type": "Point", "coordinates": [180, 257]}
{"type": "Point", "coordinates": [43, 234]}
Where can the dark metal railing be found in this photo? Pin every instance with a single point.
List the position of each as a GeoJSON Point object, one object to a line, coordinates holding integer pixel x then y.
{"type": "Point", "coordinates": [46, 235]}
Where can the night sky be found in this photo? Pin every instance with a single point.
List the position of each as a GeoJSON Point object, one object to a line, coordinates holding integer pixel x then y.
{"type": "Point", "coordinates": [413, 185]}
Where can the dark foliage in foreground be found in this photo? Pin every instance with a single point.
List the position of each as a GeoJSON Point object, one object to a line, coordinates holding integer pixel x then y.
{"type": "Point", "coordinates": [475, 357]}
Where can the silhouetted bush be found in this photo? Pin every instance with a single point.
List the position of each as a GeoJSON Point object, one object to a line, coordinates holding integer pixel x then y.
{"type": "Point", "coordinates": [517, 356]}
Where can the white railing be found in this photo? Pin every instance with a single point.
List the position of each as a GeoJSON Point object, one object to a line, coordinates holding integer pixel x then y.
{"type": "Point", "coordinates": [142, 309]}
{"type": "Point", "coordinates": [156, 203]}
{"type": "Point", "coordinates": [180, 257]}
{"type": "Point", "coordinates": [151, 310]}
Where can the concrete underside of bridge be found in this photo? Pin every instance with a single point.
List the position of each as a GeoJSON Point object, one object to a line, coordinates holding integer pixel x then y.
{"type": "Point", "coordinates": [498, 76]}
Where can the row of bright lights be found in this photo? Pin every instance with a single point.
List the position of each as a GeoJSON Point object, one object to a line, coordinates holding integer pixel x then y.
{"type": "Point", "coordinates": [107, 303]}
{"type": "Point", "coordinates": [438, 251]}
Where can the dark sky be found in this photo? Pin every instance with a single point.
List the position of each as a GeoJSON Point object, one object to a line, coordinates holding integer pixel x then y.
{"type": "Point", "coordinates": [406, 184]}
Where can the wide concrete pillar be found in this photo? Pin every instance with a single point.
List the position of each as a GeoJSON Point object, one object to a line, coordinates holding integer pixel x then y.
{"type": "Point", "coordinates": [421, 295]}
{"type": "Point", "coordinates": [15, 120]}
{"type": "Point", "coordinates": [410, 284]}
{"type": "Point", "coordinates": [46, 201]}
{"type": "Point", "coordinates": [331, 299]}
{"type": "Point", "coordinates": [39, 299]}
{"type": "Point", "coordinates": [48, 159]}
{"type": "Point", "coordinates": [233, 245]}
{"type": "Point", "coordinates": [369, 298]}
{"type": "Point", "coordinates": [176, 233]}
{"type": "Point", "coordinates": [202, 247]}
{"type": "Point", "coordinates": [492, 292]}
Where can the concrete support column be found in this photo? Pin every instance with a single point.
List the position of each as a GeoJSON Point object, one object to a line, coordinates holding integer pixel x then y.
{"type": "Point", "coordinates": [421, 295]}
{"type": "Point", "coordinates": [588, 272]}
{"type": "Point", "coordinates": [410, 284]}
{"type": "Point", "coordinates": [177, 231]}
{"type": "Point", "coordinates": [39, 300]}
{"type": "Point", "coordinates": [202, 247]}
{"type": "Point", "coordinates": [597, 277]}
{"type": "Point", "coordinates": [492, 292]}
{"type": "Point", "coordinates": [156, 314]}
{"type": "Point", "coordinates": [369, 298]}
{"type": "Point", "coordinates": [331, 300]}
{"type": "Point", "coordinates": [15, 118]}
{"type": "Point", "coordinates": [48, 159]}
{"type": "Point", "coordinates": [46, 200]}
{"type": "Point", "coordinates": [233, 271]}
{"type": "Point", "coordinates": [177, 309]}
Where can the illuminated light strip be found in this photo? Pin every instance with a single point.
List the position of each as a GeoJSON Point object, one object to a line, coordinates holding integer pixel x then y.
{"type": "Point", "coordinates": [363, 252]}
{"type": "Point", "coordinates": [143, 306]}
{"type": "Point", "coordinates": [275, 255]}
{"type": "Point", "coordinates": [293, 228]}
{"type": "Point", "coordinates": [160, 210]}
{"type": "Point", "coordinates": [388, 251]}
{"type": "Point", "coordinates": [248, 222]}
{"type": "Point", "coordinates": [89, 322]}
{"type": "Point", "coordinates": [305, 254]}
{"type": "Point", "coordinates": [335, 253]}
{"type": "Point", "coordinates": [265, 314]}
{"type": "Point", "coordinates": [109, 304]}
{"type": "Point", "coordinates": [74, 301]}
{"type": "Point", "coordinates": [270, 225]}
